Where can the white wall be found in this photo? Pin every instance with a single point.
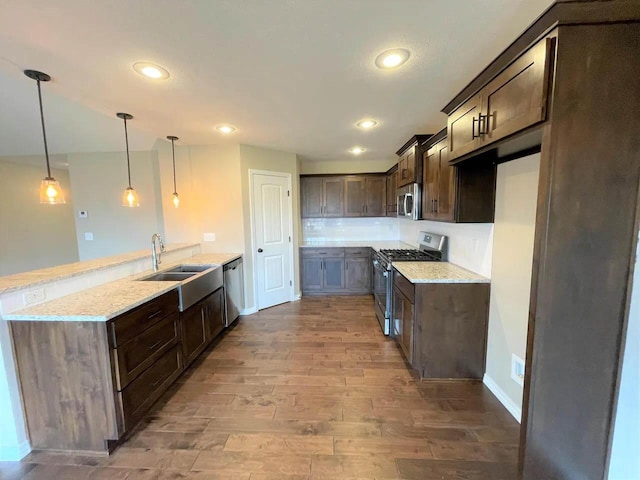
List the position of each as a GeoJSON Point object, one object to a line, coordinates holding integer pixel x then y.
{"type": "Point", "coordinates": [32, 235]}
{"type": "Point", "coordinates": [625, 450]}
{"type": "Point", "coordinates": [513, 239]}
{"type": "Point", "coordinates": [470, 244]}
{"type": "Point", "coordinates": [349, 165]}
{"type": "Point", "coordinates": [330, 229]}
{"type": "Point", "coordinates": [98, 181]}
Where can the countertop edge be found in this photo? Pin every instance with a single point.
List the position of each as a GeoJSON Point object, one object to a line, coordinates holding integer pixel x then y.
{"type": "Point", "coordinates": [65, 276]}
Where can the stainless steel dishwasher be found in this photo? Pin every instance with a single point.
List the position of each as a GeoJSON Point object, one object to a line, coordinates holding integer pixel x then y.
{"type": "Point", "coordinates": [234, 290]}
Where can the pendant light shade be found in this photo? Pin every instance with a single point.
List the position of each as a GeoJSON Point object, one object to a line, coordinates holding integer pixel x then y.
{"type": "Point", "coordinates": [130, 196]}
{"type": "Point", "coordinates": [175, 198]}
{"type": "Point", "coordinates": [50, 191]}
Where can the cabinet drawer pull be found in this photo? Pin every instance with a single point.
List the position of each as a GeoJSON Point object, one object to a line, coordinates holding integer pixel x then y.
{"type": "Point", "coordinates": [153, 347]}
{"type": "Point", "coordinates": [154, 315]}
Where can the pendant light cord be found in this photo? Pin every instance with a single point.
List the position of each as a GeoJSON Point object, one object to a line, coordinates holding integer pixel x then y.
{"type": "Point", "coordinates": [44, 133]}
{"type": "Point", "coordinates": [126, 140]}
{"type": "Point", "coordinates": [173, 151]}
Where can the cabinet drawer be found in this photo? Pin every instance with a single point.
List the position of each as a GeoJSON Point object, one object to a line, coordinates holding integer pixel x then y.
{"type": "Point", "coordinates": [323, 252]}
{"type": "Point", "coordinates": [130, 324]}
{"type": "Point", "coordinates": [404, 285]}
{"type": "Point", "coordinates": [357, 252]}
{"type": "Point", "coordinates": [133, 357]}
{"type": "Point", "coordinates": [140, 394]}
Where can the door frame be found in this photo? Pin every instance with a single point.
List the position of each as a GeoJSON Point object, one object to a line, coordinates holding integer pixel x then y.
{"type": "Point", "coordinates": [288, 176]}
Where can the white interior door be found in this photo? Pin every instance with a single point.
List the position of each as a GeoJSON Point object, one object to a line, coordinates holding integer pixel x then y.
{"type": "Point", "coordinates": [272, 238]}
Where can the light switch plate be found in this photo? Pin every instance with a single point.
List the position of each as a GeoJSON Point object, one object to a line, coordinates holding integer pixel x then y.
{"type": "Point", "coordinates": [209, 237]}
{"type": "Point", "coordinates": [88, 236]}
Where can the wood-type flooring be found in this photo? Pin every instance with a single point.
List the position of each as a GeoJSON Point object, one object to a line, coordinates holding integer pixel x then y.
{"type": "Point", "coordinates": [309, 390]}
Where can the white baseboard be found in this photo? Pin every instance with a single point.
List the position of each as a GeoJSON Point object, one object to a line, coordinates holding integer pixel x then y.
{"type": "Point", "coordinates": [297, 297]}
{"type": "Point", "coordinates": [249, 311]}
{"type": "Point", "coordinates": [14, 453]}
{"type": "Point", "coordinates": [509, 404]}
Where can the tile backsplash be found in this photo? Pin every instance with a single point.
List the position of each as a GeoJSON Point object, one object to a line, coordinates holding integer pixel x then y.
{"type": "Point", "coordinates": [337, 229]}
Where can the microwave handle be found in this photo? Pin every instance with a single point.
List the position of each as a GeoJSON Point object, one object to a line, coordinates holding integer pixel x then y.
{"type": "Point", "coordinates": [406, 197]}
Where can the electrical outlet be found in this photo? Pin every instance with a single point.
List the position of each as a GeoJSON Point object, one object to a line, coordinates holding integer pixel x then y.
{"type": "Point", "coordinates": [83, 214]}
{"type": "Point", "coordinates": [209, 237]}
{"type": "Point", "coordinates": [34, 296]}
{"type": "Point", "coordinates": [517, 369]}
{"type": "Point", "coordinates": [88, 236]}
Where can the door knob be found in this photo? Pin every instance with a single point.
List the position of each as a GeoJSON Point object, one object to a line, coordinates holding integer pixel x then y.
{"type": "Point", "coordinates": [260, 250]}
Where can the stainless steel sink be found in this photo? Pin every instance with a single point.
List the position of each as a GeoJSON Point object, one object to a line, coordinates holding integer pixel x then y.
{"type": "Point", "coordinates": [196, 281]}
{"type": "Point", "coordinates": [190, 268]}
{"type": "Point", "coordinates": [167, 277]}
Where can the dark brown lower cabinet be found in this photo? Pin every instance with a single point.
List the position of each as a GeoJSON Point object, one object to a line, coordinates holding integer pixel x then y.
{"type": "Point", "coordinates": [85, 385]}
{"type": "Point", "coordinates": [200, 324]}
{"type": "Point", "coordinates": [442, 327]}
{"type": "Point", "coordinates": [214, 318]}
{"type": "Point", "coordinates": [194, 335]}
{"type": "Point", "coordinates": [335, 271]}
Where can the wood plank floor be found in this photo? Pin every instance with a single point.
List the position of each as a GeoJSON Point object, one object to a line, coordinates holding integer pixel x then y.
{"type": "Point", "coordinates": [308, 390]}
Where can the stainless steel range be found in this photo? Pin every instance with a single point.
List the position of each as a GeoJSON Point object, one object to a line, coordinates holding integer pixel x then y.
{"type": "Point", "coordinates": [432, 248]}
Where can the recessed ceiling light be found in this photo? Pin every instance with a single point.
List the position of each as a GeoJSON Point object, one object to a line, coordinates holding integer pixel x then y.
{"type": "Point", "coordinates": [366, 124]}
{"type": "Point", "coordinates": [226, 129]}
{"type": "Point", "coordinates": [149, 70]}
{"type": "Point", "coordinates": [357, 150]}
{"type": "Point", "coordinates": [392, 58]}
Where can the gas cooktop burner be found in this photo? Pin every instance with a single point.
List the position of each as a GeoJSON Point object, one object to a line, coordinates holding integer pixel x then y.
{"type": "Point", "coordinates": [398, 255]}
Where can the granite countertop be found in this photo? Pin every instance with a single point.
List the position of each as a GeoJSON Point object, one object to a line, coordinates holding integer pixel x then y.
{"type": "Point", "coordinates": [101, 303]}
{"type": "Point", "coordinates": [375, 244]}
{"type": "Point", "coordinates": [53, 274]}
{"type": "Point", "coordinates": [437, 272]}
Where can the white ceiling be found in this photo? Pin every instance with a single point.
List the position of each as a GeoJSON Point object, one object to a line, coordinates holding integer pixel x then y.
{"type": "Point", "coordinates": [293, 75]}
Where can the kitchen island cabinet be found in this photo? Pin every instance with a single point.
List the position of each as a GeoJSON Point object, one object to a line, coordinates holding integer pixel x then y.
{"type": "Point", "coordinates": [440, 319]}
{"type": "Point", "coordinates": [91, 364]}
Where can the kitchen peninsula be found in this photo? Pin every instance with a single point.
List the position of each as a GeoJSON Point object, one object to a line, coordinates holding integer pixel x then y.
{"type": "Point", "coordinates": [91, 363]}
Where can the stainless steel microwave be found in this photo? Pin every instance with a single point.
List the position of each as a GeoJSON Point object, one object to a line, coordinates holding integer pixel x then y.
{"type": "Point", "coordinates": [409, 201]}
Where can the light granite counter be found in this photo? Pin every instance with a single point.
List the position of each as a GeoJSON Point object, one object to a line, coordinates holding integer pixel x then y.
{"type": "Point", "coordinates": [101, 303]}
{"type": "Point", "coordinates": [437, 272]}
{"type": "Point", "coordinates": [377, 245]}
{"type": "Point", "coordinates": [53, 274]}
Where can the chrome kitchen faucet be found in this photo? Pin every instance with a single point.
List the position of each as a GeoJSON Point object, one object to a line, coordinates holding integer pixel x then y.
{"type": "Point", "coordinates": [156, 257]}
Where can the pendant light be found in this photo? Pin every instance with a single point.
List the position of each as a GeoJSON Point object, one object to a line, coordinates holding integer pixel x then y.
{"type": "Point", "coordinates": [129, 197]}
{"type": "Point", "coordinates": [50, 191]}
{"type": "Point", "coordinates": [176, 199]}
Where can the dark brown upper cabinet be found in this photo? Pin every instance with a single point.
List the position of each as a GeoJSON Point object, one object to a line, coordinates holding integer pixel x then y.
{"type": "Point", "coordinates": [410, 161]}
{"type": "Point", "coordinates": [463, 193]}
{"type": "Point", "coordinates": [343, 196]}
{"type": "Point", "coordinates": [392, 187]}
{"type": "Point", "coordinates": [514, 100]}
{"type": "Point", "coordinates": [322, 197]}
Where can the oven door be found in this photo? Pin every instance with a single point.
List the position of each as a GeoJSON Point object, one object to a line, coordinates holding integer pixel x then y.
{"type": "Point", "coordinates": [380, 290]}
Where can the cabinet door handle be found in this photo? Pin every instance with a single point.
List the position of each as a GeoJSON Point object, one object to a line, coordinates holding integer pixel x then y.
{"type": "Point", "coordinates": [435, 205]}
